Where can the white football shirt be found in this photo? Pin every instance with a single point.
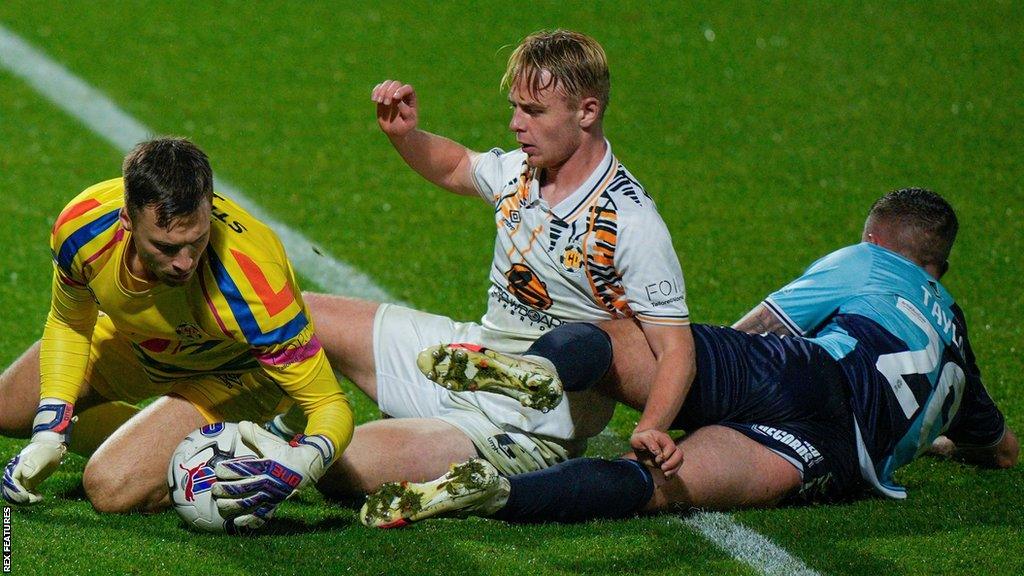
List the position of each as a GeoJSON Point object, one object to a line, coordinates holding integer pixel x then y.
{"type": "Point", "coordinates": [602, 253]}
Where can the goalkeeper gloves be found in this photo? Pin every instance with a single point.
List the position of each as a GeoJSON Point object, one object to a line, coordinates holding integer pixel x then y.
{"type": "Point", "coordinates": [249, 491]}
{"type": "Point", "coordinates": [51, 430]}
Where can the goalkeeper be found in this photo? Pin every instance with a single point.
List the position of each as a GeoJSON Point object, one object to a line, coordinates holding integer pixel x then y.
{"type": "Point", "coordinates": [162, 288]}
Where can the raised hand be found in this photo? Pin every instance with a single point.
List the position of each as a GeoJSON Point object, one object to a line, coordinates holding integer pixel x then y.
{"type": "Point", "coordinates": [397, 109]}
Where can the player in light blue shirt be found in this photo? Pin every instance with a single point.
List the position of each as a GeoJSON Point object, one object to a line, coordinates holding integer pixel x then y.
{"type": "Point", "coordinates": [901, 341]}
{"type": "Point", "coordinates": [818, 394]}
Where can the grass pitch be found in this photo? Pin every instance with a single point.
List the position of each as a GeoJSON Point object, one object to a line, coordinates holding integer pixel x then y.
{"type": "Point", "coordinates": [763, 131]}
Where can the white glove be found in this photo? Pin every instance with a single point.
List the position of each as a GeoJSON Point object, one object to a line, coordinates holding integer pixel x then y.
{"type": "Point", "coordinates": [249, 491]}
{"type": "Point", "coordinates": [50, 431]}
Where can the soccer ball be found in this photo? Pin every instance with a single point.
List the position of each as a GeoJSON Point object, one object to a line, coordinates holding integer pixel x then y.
{"type": "Point", "coordinates": [191, 474]}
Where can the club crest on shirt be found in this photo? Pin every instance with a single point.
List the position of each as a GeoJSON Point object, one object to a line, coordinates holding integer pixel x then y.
{"type": "Point", "coordinates": [526, 286]}
{"type": "Point", "coordinates": [188, 332]}
{"type": "Point", "coordinates": [572, 258]}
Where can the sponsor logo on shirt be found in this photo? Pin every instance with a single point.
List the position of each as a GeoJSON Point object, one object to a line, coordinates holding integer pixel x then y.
{"type": "Point", "coordinates": [664, 292]}
{"type": "Point", "coordinates": [525, 313]}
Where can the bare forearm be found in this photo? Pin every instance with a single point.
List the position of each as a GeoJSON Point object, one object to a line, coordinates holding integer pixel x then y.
{"type": "Point", "coordinates": [761, 320]}
{"type": "Point", "coordinates": [674, 374]}
{"type": "Point", "coordinates": [442, 161]}
{"type": "Point", "coordinates": [668, 392]}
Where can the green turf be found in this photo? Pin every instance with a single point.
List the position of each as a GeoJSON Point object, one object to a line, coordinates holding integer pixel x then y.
{"type": "Point", "coordinates": [762, 130]}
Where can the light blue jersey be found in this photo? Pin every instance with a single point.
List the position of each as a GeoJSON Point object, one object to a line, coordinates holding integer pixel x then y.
{"type": "Point", "coordinates": [902, 343]}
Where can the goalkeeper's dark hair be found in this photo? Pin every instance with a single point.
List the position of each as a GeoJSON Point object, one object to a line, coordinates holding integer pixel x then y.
{"type": "Point", "coordinates": [921, 223]}
{"type": "Point", "coordinates": [171, 174]}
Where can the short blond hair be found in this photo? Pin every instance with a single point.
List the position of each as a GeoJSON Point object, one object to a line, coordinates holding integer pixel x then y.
{"type": "Point", "coordinates": [575, 61]}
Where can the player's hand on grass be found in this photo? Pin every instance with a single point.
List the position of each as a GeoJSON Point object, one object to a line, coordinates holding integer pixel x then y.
{"type": "Point", "coordinates": [657, 449]}
{"type": "Point", "coordinates": [397, 110]}
{"type": "Point", "coordinates": [942, 447]}
{"type": "Point", "coordinates": [249, 491]}
{"type": "Point", "coordinates": [26, 471]}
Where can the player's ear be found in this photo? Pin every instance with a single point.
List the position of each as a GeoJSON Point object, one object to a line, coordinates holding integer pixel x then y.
{"type": "Point", "coordinates": [126, 220]}
{"type": "Point", "coordinates": [589, 111]}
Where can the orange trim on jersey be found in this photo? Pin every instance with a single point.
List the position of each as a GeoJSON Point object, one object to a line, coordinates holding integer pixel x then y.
{"type": "Point", "coordinates": [597, 192]}
{"type": "Point", "coordinates": [614, 298]}
{"type": "Point", "coordinates": [663, 321]}
{"type": "Point", "coordinates": [275, 301]}
{"type": "Point", "coordinates": [512, 203]}
{"type": "Point", "coordinates": [74, 211]}
{"type": "Point", "coordinates": [529, 244]}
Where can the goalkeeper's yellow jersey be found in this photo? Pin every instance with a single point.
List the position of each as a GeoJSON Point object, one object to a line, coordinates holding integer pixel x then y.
{"type": "Point", "coordinates": [241, 311]}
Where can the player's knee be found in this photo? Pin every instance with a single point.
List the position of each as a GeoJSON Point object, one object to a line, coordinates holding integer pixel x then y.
{"type": "Point", "coordinates": [670, 494]}
{"type": "Point", "coordinates": [19, 394]}
{"type": "Point", "coordinates": [15, 418]}
{"type": "Point", "coordinates": [113, 490]}
{"type": "Point", "coordinates": [12, 424]}
{"type": "Point", "coordinates": [343, 482]}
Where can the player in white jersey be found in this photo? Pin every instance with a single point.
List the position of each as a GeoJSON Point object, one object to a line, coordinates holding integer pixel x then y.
{"type": "Point", "coordinates": [578, 239]}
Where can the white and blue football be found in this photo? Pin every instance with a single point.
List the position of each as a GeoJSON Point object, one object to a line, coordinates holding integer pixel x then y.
{"type": "Point", "coordinates": [190, 475]}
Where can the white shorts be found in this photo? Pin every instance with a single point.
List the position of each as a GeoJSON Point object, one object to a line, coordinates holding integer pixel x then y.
{"type": "Point", "coordinates": [399, 334]}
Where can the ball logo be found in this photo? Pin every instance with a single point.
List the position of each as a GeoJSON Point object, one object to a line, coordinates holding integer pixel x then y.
{"type": "Point", "coordinates": [524, 284]}
{"type": "Point", "coordinates": [197, 480]}
{"type": "Point", "coordinates": [211, 430]}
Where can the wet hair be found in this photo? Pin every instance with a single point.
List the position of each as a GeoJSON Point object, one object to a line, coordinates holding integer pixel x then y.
{"type": "Point", "coordinates": [171, 174]}
{"type": "Point", "coordinates": [921, 224]}
{"type": "Point", "coordinates": [575, 62]}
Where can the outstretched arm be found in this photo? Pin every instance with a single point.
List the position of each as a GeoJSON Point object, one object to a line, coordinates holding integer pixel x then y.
{"type": "Point", "coordinates": [761, 320]}
{"type": "Point", "coordinates": [444, 162]}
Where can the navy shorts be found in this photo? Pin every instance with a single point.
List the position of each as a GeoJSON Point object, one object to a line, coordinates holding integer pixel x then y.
{"type": "Point", "coordinates": [785, 393]}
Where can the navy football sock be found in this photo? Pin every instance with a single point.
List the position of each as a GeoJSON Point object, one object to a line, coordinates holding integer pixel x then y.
{"type": "Point", "coordinates": [581, 353]}
{"type": "Point", "coordinates": [577, 490]}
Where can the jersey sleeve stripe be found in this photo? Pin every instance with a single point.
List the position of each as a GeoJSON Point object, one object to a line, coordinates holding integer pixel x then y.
{"type": "Point", "coordinates": [783, 317]}
{"type": "Point", "coordinates": [663, 321]}
{"type": "Point", "coordinates": [74, 211]}
{"type": "Point", "coordinates": [83, 236]}
{"type": "Point", "coordinates": [291, 355]}
{"type": "Point", "coordinates": [254, 335]}
{"type": "Point", "coordinates": [113, 242]}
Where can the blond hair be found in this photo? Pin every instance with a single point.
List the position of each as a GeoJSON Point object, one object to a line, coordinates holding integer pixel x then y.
{"type": "Point", "coordinates": [575, 61]}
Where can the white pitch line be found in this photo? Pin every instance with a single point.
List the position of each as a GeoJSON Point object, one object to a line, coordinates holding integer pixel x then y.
{"type": "Point", "coordinates": [109, 121]}
{"type": "Point", "coordinates": [746, 545]}
{"type": "Point", "coordinates": [113, 124]}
